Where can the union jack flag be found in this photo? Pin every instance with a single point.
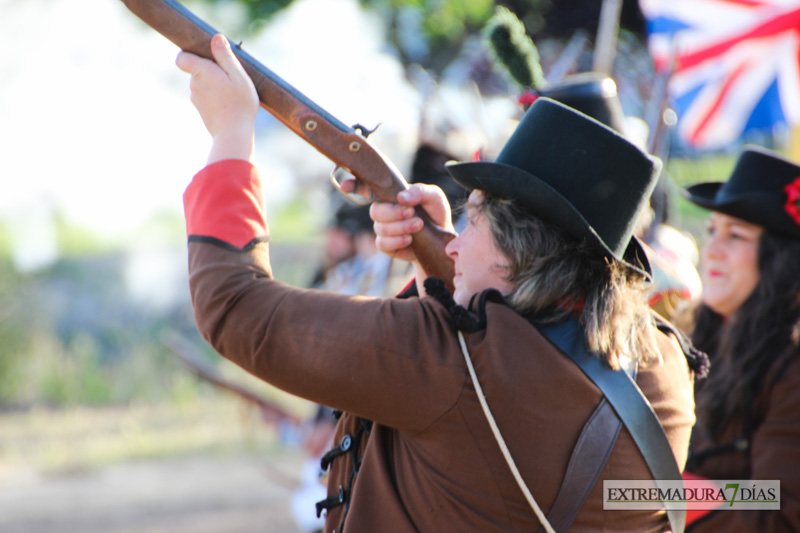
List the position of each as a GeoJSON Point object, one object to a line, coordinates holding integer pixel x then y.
{"type": "Point", "coordinates": [736, 65]}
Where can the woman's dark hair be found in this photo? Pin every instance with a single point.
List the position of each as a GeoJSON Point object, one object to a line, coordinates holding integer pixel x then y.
{"type": "Point", "coordinates": [750, 353]}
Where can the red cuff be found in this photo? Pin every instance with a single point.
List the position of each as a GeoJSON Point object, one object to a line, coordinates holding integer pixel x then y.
{"type": "Point", "coordinates": [692, 515]}
{"type": "Point", "coordinates": [224, 203]}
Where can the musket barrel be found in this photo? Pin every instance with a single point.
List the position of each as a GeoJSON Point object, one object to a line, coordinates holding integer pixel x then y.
{"type": "Point", "coordinates": [340, 143]}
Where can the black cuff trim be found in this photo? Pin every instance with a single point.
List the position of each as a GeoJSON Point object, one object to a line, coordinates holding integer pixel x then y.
{"type": "Point", "coordinates": [228, 246]}
{"type": "Point", "coordinates": [409, 292]}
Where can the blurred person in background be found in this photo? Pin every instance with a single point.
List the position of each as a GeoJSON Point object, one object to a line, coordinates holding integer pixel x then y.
{"type": "Point", "coordinates": [748, 410]}
{"type": "Point", "coordinates": [352, 264]}
{"type": "Point", "coordinates": [416, 450]}
{"type": "Point", "coordinates": [337, 245]}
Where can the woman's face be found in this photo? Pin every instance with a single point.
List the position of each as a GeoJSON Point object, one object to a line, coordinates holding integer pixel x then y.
{"type": "Point", "coordinates": [729, 263]}
{"type": "Point", "coordinates": [479, 265]}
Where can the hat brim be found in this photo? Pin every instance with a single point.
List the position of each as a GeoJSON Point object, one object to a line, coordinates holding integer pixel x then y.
{"type": "Point", "coordinates": [748, 207]}
{"type": "Point", "coordinates": [506, 181]}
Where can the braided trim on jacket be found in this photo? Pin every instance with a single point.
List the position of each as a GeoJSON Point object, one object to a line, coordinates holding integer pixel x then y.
{"type": "Point", "coordinates": [697, 360]}
{"type": "Point", "coordinates": [463, 319]}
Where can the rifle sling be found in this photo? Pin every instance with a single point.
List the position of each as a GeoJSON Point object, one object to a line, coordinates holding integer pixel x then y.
{"type": "Point", "coordinates": [629, 403]}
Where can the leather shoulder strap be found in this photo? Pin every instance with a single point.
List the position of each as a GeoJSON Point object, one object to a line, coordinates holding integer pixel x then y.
{"type": "Point", "coordinates": [589, 457]}
{"type": "Point", "coordinates": [628, 401]}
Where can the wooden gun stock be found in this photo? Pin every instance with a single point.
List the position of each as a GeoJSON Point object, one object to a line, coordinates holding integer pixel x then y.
{"type": "Point", "coordinates": [342, 144]}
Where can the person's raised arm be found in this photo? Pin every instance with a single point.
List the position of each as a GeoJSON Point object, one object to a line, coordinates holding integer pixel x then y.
{"type": "Point", "coordinates": [226, 99]}
{"type": "Point", "coordinates": [395, 223]}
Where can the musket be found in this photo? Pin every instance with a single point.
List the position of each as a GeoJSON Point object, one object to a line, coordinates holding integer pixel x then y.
{"type": "Point", "coordinates": [346, 146]}
{"type": "Point", "coordinates": [187, 354]}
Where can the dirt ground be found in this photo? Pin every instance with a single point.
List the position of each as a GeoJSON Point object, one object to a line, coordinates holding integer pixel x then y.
{"type": "Point", "coordinates": [210, 466]}
{"type": "Point", "coordinates": [177, 495]}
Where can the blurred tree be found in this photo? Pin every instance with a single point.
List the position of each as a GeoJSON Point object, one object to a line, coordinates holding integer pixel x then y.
{"type": "Point", "coordinates": [260, 9]}
{"type": "Point", "coordinates": [431, 33]}
{"type": "Point", "coordinates": [15, 318]}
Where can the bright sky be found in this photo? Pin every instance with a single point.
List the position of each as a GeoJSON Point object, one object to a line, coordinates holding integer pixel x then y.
{"type": "Point", "coordinates": [95, 119]}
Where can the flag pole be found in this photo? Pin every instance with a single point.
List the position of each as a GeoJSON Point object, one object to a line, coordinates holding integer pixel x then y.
{"type": "Point", "coordinates": [568, 57]}
{"type": "Point", "coordinates": [606, 42]}
{"type": "Point", "coordinates": [793, 147]}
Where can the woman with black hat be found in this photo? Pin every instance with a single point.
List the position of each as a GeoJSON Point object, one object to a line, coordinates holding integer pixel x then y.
{"type": "Point", "coordinates": [748, 410]}
{"type": "Point", "coordinates": [460, 414]}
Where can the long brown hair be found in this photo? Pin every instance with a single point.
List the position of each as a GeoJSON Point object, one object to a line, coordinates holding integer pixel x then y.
{"type": "Point", "coordinates": [750, 350]}
{"type": "Point", "coordinates": [554, 275]}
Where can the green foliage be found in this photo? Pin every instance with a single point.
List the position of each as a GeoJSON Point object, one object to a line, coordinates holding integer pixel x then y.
{"type": "Point", "coordinates": [72, 334]}
{"type": "Point", "coordinates": [297, 228]}
{"type": "Point", "coordinates": [5, 247]}
{"type": "Point", "coordinates": [73, 239]}
{"type": "Point", "coordinates": [452, 20]}
{"type": "Point", "coordinates": [440, 27]}
{"type": "Point", "coordinates": [69, 335]}
{"type": "Point", "coordinates": [163, 227]}
{"type": "Point", "coordinates": [296, 220]}
{"type": "Point", "coordinates": [256, 12]}
{"type": "Point", "coordinates": [73, 376]}
{"type": "Point", "coordinates": [15, 321]}
{"type": "Point", "coordinates": [685, 171]}
{"type": "Point", "coordinates": [432, 33]}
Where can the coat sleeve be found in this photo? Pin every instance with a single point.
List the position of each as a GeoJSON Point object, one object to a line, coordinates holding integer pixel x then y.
{"type": "Point", "coordinates": [775, 454]}
{"type": "Point", "coordinates": [384, 359]}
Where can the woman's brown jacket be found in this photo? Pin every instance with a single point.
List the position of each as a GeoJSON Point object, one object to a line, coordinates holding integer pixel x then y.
{"type": "Point", "coordinates": [769, 451]}
{"type": "Point", "coordinates": [426, 460]}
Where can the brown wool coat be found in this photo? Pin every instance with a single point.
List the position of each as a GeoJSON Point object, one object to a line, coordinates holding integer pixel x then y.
{"type": "Point", "coordinates": [774, 454]}
{"type": "Point", "coordinates": [430, 463]}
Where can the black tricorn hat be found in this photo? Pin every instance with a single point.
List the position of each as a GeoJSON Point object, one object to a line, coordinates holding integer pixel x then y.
{"type": "Point", "coordinates": [591, 93]}
{"type": "Point", "coordinates": [763, 189]}
{"type": "Point", "coordinates": [571, 170]}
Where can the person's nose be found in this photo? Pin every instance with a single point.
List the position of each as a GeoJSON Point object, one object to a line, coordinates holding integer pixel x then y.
{"type": "Point", "coordinates": [452, 247]}
{"type": "Point", "coordinates": [713, 248]}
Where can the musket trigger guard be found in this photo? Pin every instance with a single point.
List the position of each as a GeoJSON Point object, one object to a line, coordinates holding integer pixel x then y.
{"type": "Point", "coordinates": [352, 197]}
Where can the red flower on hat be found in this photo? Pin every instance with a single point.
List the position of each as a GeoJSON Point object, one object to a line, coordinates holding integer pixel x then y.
{"type": "Point", "coordinates": [527, 98]}
{"type": "Point", "coordinates": [792, 205]}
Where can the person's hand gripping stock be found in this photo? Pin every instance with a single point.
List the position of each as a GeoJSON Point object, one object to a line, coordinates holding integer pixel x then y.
{"type": "Point", "coordinates": [227, 101]}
